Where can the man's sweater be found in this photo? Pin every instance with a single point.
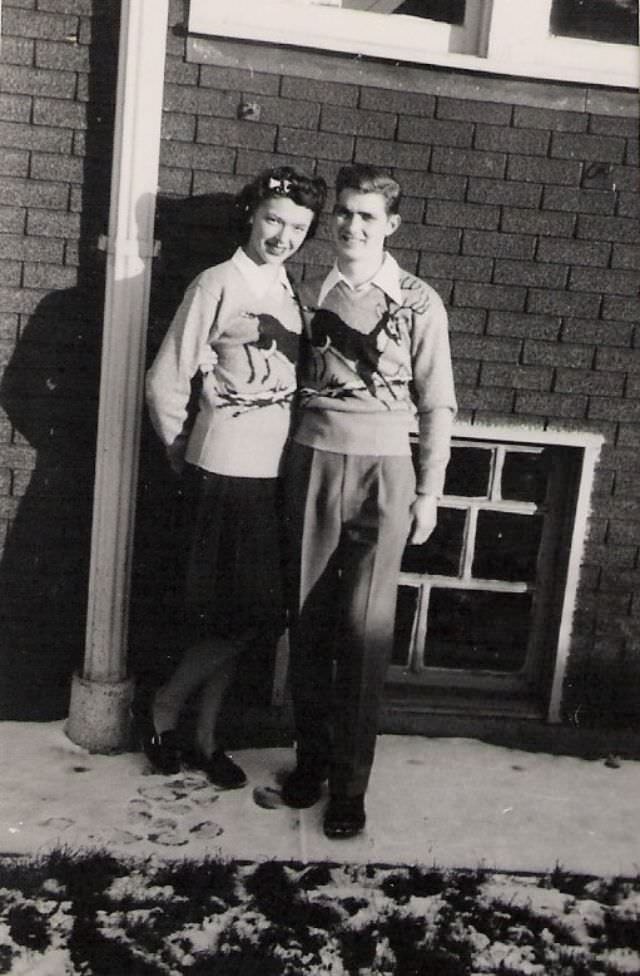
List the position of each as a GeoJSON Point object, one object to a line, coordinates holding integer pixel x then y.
{"type": "Point", "coordinates": [238, 326]}
{"type": "Point", "coordinates": [376, 356]}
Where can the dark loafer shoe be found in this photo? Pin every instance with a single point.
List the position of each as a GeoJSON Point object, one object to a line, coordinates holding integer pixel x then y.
{"type": "Point", "coordinates": [222, 771]}
{"type": "Point", "coordinates": [344, 817]}
{"type": "Point", "coordinates": [303, 787]}
{"type": "Point", "coordinates": [162, 749]}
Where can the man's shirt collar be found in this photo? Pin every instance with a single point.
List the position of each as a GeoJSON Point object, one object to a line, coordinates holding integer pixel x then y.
{"type": "Point", "coordinates": [261, 277]}
{"type": "Point", "coordinates": [387, 278]}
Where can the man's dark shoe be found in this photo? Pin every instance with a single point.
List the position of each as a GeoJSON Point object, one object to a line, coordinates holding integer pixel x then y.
{"type": "Point", "coordinates": [222, 771]}
{"type": "Point", "coordinates": [344, 817]}
{"type": "Point", "coordinates": [303, 787]}
{"type": "Point", "coordinates": [162, 749]}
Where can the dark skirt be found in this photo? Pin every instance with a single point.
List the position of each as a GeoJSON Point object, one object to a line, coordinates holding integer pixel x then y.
{"type": "Point", "coordinates": [234, 585]}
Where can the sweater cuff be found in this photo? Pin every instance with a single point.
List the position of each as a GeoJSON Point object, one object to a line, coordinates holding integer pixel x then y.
{"type": "Point", "coordinates": [434, 450]}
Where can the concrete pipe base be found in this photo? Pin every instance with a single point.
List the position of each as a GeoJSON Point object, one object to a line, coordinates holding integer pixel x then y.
{"type": "Point", "coordinates": [99, 715]}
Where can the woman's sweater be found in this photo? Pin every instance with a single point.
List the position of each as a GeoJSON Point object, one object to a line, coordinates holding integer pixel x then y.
{"type": "Point", "coordinates": [238, 326]}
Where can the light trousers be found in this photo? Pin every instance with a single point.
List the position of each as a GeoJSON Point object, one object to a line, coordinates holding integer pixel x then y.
{"type": "Point", "coordinates": [348, 520]}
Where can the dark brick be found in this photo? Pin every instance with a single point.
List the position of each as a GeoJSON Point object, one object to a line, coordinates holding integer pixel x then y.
{"type": "Point", "coordinates": [558, 354]}
{"type": "Point", "coordinates": [176, 181]}
{"type": "Point", "coordinates": [17, 50]}
{"type": "Point", "coordinates": [432, 185]}
{"type": "Point", "coordinates": [435, 132]}
{"type": "Point", "coordinates": [447, 214]}
{"type": "Point", "coordinates": [443, 286]}
{"type": "Point", "coordinates": [626, 256]}
{"type": "Point", "coordinates": [624, 178]}
{"type": "Point", "coordinates": [80, 7]}
{"type": "Point", "coordinates": [250, 161]}
{"type": "Point", "coordinates": [465, 373]}
{"type": "Point", "coordinates": [624, 533]}
{"type": "Point", "coordinates": [411, 209]}
{"type": "Point", "coordinates": [405, 102]}
{"type": "Point", "coordinates": [594, 331]}
{"type": "Point", "coordinates": [632, 387]}
{"type": "Point", "coordinates": [525, 326]}
{"type": "Point", "coordinates": [554, 405]}
{"type": "Point", "coordinates": [15, 108]}
{"type": "Point", "coordinates": [455, 266]}
{"type": "Point", "coordinates": [240, 80]}
{"type": "Point", "coordinates": [582, 201]}
{"type": "Point", "coordinates": [530, 273]}
{"type": "Point", "coordinates": [506, 194]}
{"type": "Point", "coordinates": [49, 276]}
{"type": "Point", "coordinates": [299, 142]}
{"type": "Point", "coordinates": [604, 280]}
{"type": "Point", "coordinates": [190, 156]}
{"type": "Point", "coordinates": [380, 153]}
{"type": "Point", "coordinates": [358, 122]}
{"type": "Point", "coordinates": [546, 118]}
{"type": "Point", "coordinates": [10, 274]}
{"type": "Point", "coordinates": [207, 182]}
{"type": "Point", "coordinates": [12, 220]}
{"type": "Point", "coordinates": [464, 110]}
{"type": "Point", "coordinates": [179, 127]}
{"type": "Point", "coordinates": [14, 162]}
{"type": "Point", "coordinates": [324, 92]}
{"type": "Point", "coordinates": [490, 296]}
{"type": "Point", "coordinates": [178, 73]}
{"type": "Point", "coordinates": [62, 57]}
{"type": "Point", "coordinates": [49, 223]}
{"type": "Point", "coordinates": [518, 221]}
{"type": "Point", "coordinates": [31, 193]}
{"type": "Point", "coordinates": [468, 162]}
{"type": "Point", "coordinates": [565, 251]}
{"type": "Point", "coordinates": [248, 135]}
{"type": "Point", "coordinates": [517, 377]}
{"type": "Point", "coordinates": [586, 381]}
{"type": "Point", "coordinates": [499, 245]}
{"type": "Point", "coordinates": [629, 205]}
{"type": "Point", "coordinates": [624, 411]}
{"type": "Point", "coordinates": [289, 111]}
{"type": "Point", "coordinates": [632, 153]}
{"type": "Point", "coordinates": [43, 138]}
{"type": "Point", "coordinates": [8, 326]}
{"type": "Point", "coordinates": [203, 101]}
{"type": "Point", "coordinates": [495, 138]}
{"type": "Point", "coordinates": [624, 360]}
{"type": "Point", "coordinates": [38, 24]}
{"type": "Point", "coordinates": [496, 400]}
{"type": "Point", "coordinates": [485, 349]}
{"type": "Point", "coordinates": [624, 309]}
{"type": "Point", "coordinates": [602, 149]}
{"type": "Point", "coordinates": [19, 300]}
{"type": "Point", "coordinates": [551, 302]}
{"type": "Point", "coordinates": [532, 169]}
{"type": "Point", "coordinates": [603, 556]}
{"type": "Point", "coordinates": [610, 125]}
{"type": "Point", "coordinates": [31, 249]}
{"type": "Point", "coordinates": [470, 320]}
{"type": "Point", "coordinates": [46, 166]}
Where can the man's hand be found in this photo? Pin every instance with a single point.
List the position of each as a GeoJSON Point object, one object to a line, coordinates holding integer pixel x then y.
{"type": "Point", "coordinates": [424, 515]}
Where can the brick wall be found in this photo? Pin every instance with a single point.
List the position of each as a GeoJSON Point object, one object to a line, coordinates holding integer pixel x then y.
{"type": "Point", "coordinates": [56, 111]}
{"type": "Point", "coordinates": [520, 207]}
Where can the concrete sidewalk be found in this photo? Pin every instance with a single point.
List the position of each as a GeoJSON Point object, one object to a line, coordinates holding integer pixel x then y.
{"type": "Point", "coordinates": [444, 802]}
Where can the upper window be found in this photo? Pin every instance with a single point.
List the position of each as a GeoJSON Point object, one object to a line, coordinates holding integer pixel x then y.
{"type": "Point", "coordinates": [593, 41]}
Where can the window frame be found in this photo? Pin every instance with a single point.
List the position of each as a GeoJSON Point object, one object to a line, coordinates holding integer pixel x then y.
{"type": "Point", "coordinates": [499, 37]}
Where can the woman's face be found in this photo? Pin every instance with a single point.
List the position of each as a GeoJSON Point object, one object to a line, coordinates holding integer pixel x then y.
{"type": "Point", "coordinates": [278, 228]}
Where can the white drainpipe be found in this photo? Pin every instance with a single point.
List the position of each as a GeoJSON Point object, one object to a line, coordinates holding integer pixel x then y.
{"type": "Point", "coordinates": [101, 694]}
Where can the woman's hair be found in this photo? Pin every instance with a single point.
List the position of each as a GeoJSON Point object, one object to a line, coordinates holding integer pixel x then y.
{"type": "Point", "coordinates": [283, 181]}
{"type": "Point", "coordinates": [370, 179]}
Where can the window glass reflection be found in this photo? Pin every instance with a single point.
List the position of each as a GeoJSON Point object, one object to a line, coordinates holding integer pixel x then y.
{"type": "Point", "coordinates": [612, 21]}
{"type": "Point", "coordinates": [440, 555]}
{"type": "Point", "coordinates": [524, 477]}
{"type": "Point", "coordinates": [468, 472]}
{"type": "Point", "coordinates": [506, 546]}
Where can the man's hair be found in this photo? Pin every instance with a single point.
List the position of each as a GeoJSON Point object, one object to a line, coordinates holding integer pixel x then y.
{"type": "Point", "coordinates": [370, 179]}
{"type": "Point", "coordinates": [283, 181]}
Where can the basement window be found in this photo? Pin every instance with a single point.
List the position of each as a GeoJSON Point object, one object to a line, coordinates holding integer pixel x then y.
{"type": "Point", "coordinates": [485, 605]}
{"type": "Point", "coordinates": [594, 42]}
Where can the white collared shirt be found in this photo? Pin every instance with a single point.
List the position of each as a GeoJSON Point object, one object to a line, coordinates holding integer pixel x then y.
{"type": "Point", "coordinates": [261, 277]}
{"type": "Point", "coordinates": [387, 278]}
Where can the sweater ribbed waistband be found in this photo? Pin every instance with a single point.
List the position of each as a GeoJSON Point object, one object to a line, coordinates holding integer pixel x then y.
{"type": "Point", "coordinates": [348, 432]}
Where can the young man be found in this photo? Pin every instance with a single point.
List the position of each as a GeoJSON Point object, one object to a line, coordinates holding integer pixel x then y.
{"type": "Point", "coordinates": [378, 353]}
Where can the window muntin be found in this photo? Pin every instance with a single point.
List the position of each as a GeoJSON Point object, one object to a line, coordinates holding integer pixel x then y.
{"type": "Point", "coordinates": [499, 36]}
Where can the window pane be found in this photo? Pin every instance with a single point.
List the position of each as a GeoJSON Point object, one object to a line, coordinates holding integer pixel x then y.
{"type": "Point", "coordinates": [524, 477]}
{"type": "Point", "coordinates": [468, 472]}
{"type": "Point", "coordinates": [506, 546]}
{"type": "Point", "coordinates": [447, 11]}
{"type": "Point", "coordinates": [614, 21]}
{"type": "Point", "coordinates": [477, 630]}
{"type": "Point", "coordinates": [440, 554]}
{"type": "Point", "coordinates": [405, 615]}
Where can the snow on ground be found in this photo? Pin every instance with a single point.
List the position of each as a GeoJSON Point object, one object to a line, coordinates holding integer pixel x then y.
{"type": "Point", "coordinates": [444, 802]}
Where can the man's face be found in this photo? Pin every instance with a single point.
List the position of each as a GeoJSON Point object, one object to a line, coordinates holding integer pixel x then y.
{"type": "Point", "coordinates": [360, 225]}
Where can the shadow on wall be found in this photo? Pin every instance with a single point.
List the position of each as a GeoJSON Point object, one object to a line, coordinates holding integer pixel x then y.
{"type": "Point", "coordinates": [49, 392]}
{"type": "Point", "coordinates": [194, 234]}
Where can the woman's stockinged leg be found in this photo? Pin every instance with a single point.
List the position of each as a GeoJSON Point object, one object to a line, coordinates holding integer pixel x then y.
{"type": "Point", "coordinates": [200, 665]}
{"type": "Point", "coordinates": [211, 699]}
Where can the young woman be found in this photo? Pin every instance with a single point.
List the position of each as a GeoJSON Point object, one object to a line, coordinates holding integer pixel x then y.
{"type": "Point", "coordinates": [238, 327]}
